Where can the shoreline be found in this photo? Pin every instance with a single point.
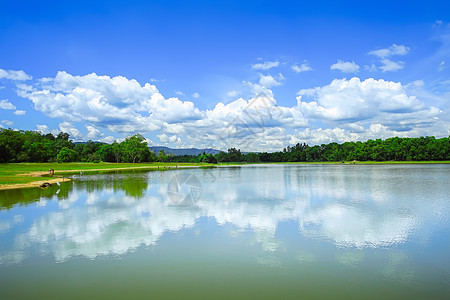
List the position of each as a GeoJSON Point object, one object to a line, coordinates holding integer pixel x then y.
{"type": "Point", "coordinates": [176, 166]}
{"type": "Point", "coordinates": [55, 178]}
{"type": "Point", "coordinates": [33, 183]}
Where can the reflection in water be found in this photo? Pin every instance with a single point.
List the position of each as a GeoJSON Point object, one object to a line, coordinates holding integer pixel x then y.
{"type": "Point", "coordinates": [341, 213]}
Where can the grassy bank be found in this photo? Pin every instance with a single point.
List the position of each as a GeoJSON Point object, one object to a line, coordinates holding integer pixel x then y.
{"type": "Point", "coordinates": [21, 175]}
{"type": "Point", "coordinates": [31, 174]}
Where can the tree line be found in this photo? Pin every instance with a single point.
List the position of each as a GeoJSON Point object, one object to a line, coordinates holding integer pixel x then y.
{"type": "Point", "coordinates": [32, 146]}
{"type": "Point", "coordinates": [391, 149]}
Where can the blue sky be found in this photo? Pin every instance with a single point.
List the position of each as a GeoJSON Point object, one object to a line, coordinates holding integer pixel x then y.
{"type": "Point", "coordinates": [256, 75]}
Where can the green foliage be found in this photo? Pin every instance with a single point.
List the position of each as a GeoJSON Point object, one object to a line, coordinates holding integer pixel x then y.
{"type": "Point", "coordinates": [207, 158]}
{"type": "Point", "coordinates": [135, 149]}
{"type": "Point", "coordinates": [392, 149]}
{"type": "Point", "coordinates": [31, 146]}
{"type": "Point", "coordinates": [67, 155]}
{"type": "Point", "coordinates": [162, 157]}
{"type": "Point", "coordinates": [106, 153]}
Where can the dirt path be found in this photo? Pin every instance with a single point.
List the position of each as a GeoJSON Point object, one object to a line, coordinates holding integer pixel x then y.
{"type": "Point", "coordinates": [32, 184]}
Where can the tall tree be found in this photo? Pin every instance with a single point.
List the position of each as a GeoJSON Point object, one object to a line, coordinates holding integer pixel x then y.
{"type": "Point", "coordinates": [135, 149]}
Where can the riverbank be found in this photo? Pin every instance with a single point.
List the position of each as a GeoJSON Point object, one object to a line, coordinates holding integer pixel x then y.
{"type": "Point", "coordinates": [25, 175]}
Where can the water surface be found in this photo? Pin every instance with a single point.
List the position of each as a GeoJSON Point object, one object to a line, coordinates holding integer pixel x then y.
{"type": "Point", "coordinates": [270, 231]}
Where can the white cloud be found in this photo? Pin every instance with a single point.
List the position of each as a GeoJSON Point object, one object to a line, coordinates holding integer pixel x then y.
{"type": "Point", "coordinates": [268, 81]}
{"type": "Point", "coordinates": [301, 68]}
{"type": "Point", "coordinates": [322, 136]}
{"type": "Point", "coordinates": [43, 128]}
{"type": "Point", "coordinates": [391, 51]}
{"type": "Point", "coordinates": [179, 93]}
{"type": "Point", "coordinates": [370, 100]}
{"type": "Point", "coordinates": [117, 104]}
{"type": "Point", "coordinates": [169, 139]}
{"type": "Point", "coordinates": [14, 75]}
{"type": "Point", "coordinates": [109, 139]}
{"type": "Point", "coordinates": [5, 104]}
{"type": "Point", "coordinates": [266, 65]}
{"type": "Point", "coordinates": [93, 133]}
{"type": "Point", "coordinates": [20, 112]}
{"type": "Point", "coordinates": [195, 95]}
{"type": "Point", "coordinates": [71, 130]}
{"type": "Point", "coordinates": [345, 66]}
{"type": "Point", "coordinates": [233, 93]}
{"type": "Point", "coordinates": [8, 122]}
{"type": "Point", "coordinates": [389, 65]}
{"type": "Point", "coordinates": [343, 110]}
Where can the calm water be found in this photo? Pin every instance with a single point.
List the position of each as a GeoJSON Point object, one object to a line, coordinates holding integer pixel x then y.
{"type": "Point", "coordinates": [299, 231]}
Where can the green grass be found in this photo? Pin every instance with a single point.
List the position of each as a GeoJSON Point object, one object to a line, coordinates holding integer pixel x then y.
{"type": "Point", "coordinates": [11, 173]}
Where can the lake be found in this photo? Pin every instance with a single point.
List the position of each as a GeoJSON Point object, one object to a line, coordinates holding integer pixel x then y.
{"type": "Point", "coordinates": [258, 231]}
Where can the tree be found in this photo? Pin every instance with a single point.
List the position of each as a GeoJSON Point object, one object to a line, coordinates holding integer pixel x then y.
{"type": "Point", "coordinates": [222, 157]}
{"type": "Point", "coordinates": [135, 149]}
{"type": "Point", "coordinates": [234, 155]}
{"type": "Point", "coordinates": [67, 155]}
{"type": "Point", "coordinates": [116, 151]}
{"type": "Point", "coordinates": [105, 153]}
{"type": "Point", "coordinates": [162, 157]}
{"type": "Point", "coordinates": [207, 158]}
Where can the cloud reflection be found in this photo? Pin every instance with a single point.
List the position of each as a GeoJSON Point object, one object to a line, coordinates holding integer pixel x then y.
{"type": "Point", "coordinates": [327, 205]}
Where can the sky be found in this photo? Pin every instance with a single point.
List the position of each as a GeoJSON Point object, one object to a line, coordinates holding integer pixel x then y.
{"type": "Point", "coordinates": [254, 75]}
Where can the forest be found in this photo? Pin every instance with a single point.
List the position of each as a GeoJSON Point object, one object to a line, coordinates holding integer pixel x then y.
{"type": "Point", "coordinates": [33, 146]}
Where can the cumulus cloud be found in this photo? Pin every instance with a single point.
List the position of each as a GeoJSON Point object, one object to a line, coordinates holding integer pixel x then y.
{"type": "Point", "coordinates": [269, 81]}
{"type": "Point", "coordinates": [266, 65]}
{"type": "Point", "coordinates": [117, 103]}
{"type": "Point", "coordinates": [345, 66]}
{"type": "Point", "coordinates": [370, 100]}
{"type": "Point", "coordinates": [93, 133]}
{"type": "Point", "coordinates": [14, 75]}
{"type": "Point", "coordinates": [169, 139]}
{"type": "Point", "coordinates": [5, 104]}
{"type": "Point", "coordinates": [343, 110]}
{"type": "Point", "coordinates": [43, 128]}
{"type": "Point", "coordinates": [301, 68]}
{"type": "Point", "coordinates": [70, 129]}
{"type": "Point", "coordinates": [20, 112]}
{"type": "Point", "coordinates": [109, 139]}
{"type": "Point", "coordinates": [195, 95]}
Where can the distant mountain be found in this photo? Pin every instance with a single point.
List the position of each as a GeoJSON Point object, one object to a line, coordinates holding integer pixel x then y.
{"type": "Point", "coordinates": [189, 151]}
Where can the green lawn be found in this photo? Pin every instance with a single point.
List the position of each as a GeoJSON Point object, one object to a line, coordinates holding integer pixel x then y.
{"type": "Point", "coordinates": [11, 173]}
